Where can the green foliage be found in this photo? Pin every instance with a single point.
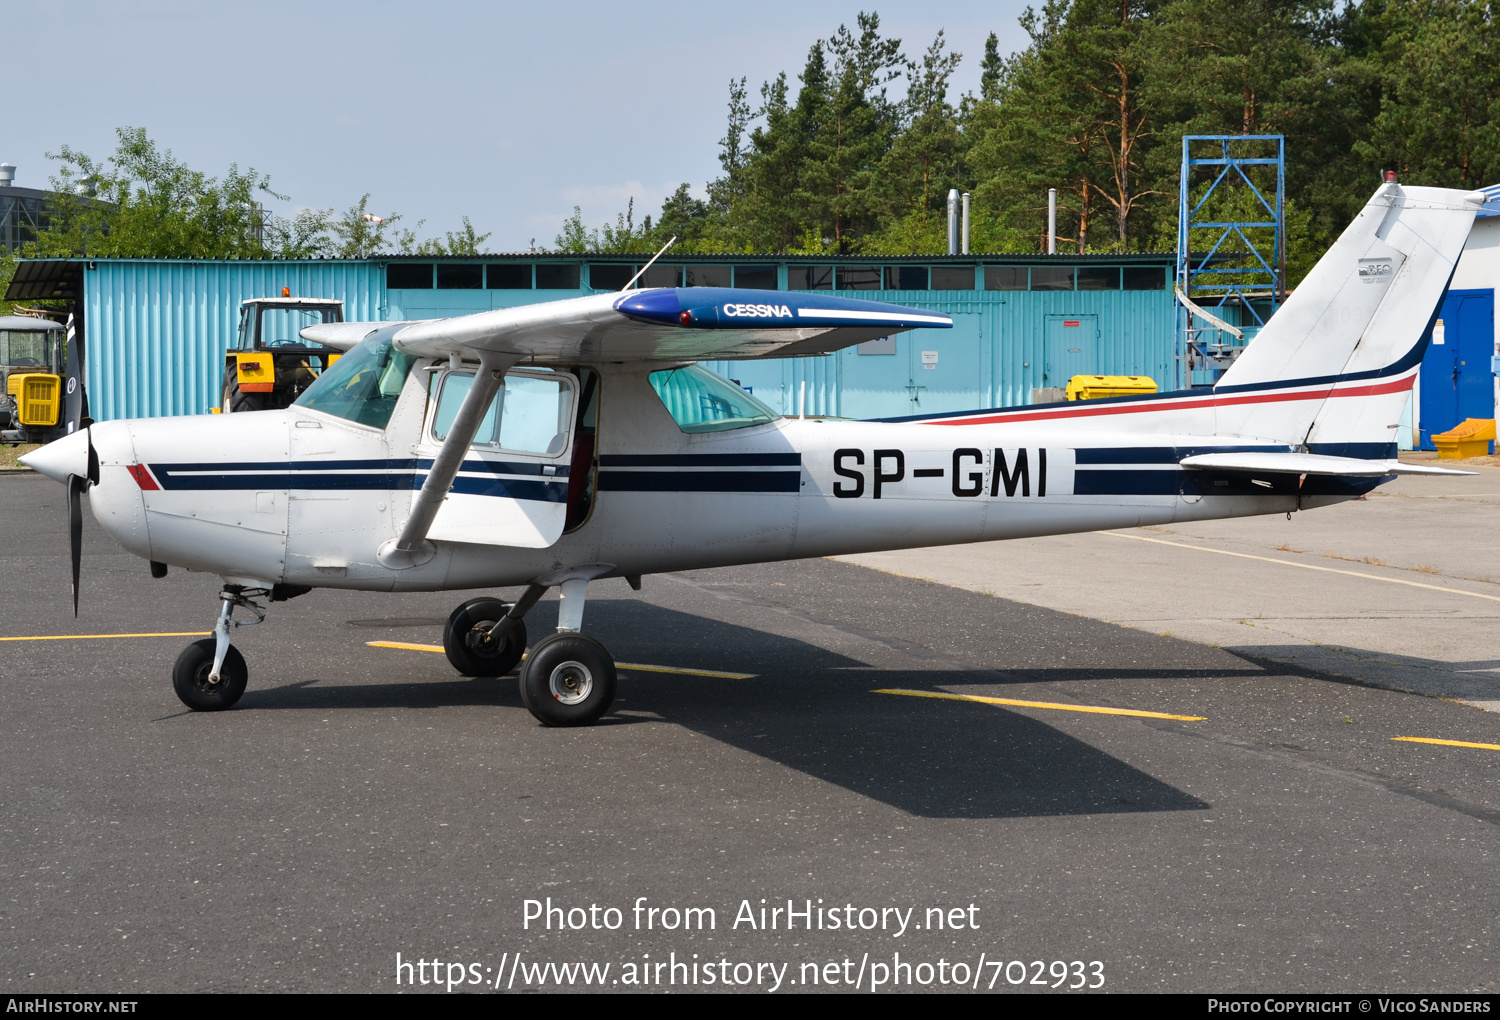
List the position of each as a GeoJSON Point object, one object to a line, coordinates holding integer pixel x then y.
{"type": "Point", "coordinates": [1096, 105]}
{"type": "Point", "coordinates": [143, 202]}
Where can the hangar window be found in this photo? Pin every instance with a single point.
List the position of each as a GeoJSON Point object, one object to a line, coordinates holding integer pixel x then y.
{"type": "Point", "coordinates": [1006, 277]}
{"type": "Point", "coordinates": [755, 277]}
{"type": "Point", "coordinates": [557, 276]}
{"type": "Point", "coordinates": [363, 385]}
{"type": "Point", "coordinates": [608, 276]}
{"type": "Point", "coordinates": [1145, 278]}
{"type": "Point", "coordinates": [1098, 278]}
{"type": "Point", "coordinates": [708, 276]}
{"type": "Point", "coordinates": [905, 277]}
{"type": "Point", "coordinates": [509, 277]}
{"type": "Point", "coordinates": [952, 277]}
{"type": "Point", "coordinates": [700, 401]}
{"type": "Point", "coordinates": [662, 276]}
{"type": "Point", "coordinates": [529, 415]}
{"type": "Point", "coordinates": [1051, 278]}
{"type": "Point", "coordinates": [859, 278]}
{"type": "Point", "coordinates": [809, 278]}
{"type": "Point", "coordinates": [459, 276]}
{"type": "Point", "coordinates": [408, 276]}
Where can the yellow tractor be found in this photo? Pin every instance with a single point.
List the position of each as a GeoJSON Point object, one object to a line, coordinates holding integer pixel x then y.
{"type": "Point", "coordinates": [31, 364]}
{"type": "Point", "coordinates": [270, 364]}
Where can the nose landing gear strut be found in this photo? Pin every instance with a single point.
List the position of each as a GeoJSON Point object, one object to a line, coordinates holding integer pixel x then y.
{"type": "Point", "coordinates": [210, 674]}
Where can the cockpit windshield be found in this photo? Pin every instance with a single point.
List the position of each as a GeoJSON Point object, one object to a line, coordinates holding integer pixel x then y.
{"type": "Point", "coordinates": [702, 401]}
{"type": "Point", "coordinates": [363, 385]}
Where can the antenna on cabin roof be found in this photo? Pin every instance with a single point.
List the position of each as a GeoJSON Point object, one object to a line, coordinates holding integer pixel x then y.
{"type": "Point", "coordinates": [648, 265]}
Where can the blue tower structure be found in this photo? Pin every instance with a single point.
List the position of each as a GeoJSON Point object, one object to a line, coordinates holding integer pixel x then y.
{"type": "Point", "coordinates": [1231, 251]}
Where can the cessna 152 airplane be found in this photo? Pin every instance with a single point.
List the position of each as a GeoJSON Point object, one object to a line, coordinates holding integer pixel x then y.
{"type": "Point", "coordinates": [556, 444]}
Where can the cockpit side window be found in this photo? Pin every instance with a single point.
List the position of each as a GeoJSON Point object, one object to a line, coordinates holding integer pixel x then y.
{"type": "Point", "coordinates": [529, 415]}
{"type": "Point", "coordinates": [362, 386]}
{"type": "Point", "coordinates": [702, 401]}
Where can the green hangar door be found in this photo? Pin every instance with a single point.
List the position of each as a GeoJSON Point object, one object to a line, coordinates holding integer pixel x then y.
{"type": "Point", "coordinates": [1070, 347]}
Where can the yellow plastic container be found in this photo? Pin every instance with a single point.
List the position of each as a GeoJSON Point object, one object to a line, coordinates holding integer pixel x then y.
{"type": "Point", "coordinates": [1472, 438]}
{"type": "Point", "coordinates": [1093, 387]}
{"type": "Point", "coordinates": [37, 397]}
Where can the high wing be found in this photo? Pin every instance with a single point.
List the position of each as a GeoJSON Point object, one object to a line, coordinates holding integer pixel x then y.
{"type": "Point", "coordinates": [665, 324]}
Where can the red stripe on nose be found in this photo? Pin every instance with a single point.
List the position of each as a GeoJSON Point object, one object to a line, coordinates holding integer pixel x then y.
{"type": "Point", "coordinates": [142, 476]}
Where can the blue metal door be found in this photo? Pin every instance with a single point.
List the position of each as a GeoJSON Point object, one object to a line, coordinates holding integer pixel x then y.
{"type": "Point", "coordinates": [943, 367]}
{"type": "Point", "coordinates": [1456, 382]}
{"type": "Point", "coordinates": [1071, 347]}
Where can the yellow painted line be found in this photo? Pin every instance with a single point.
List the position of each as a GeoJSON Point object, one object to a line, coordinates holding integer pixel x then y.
{"type": "Point", "coordinates": [716, 674]}
{"type": "Point", "coordinates": [96, 637]}
{"type": "Point", "coordinates": [1043, 704]}
{"type": "Point", "coordinates": [1449, 743]}
{"type": "Point", "coordinates": [406, 645]}
{"type": "Point", "coordinates": [1310, 566]}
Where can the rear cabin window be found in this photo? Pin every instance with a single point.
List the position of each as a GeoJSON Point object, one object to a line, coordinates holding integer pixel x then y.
{"type": "Point", "coordinates": [701, 401]}
{"type": "Point", "coordinates": [529, 415]}
{"type": "Point", "coordinates": [362, 386]}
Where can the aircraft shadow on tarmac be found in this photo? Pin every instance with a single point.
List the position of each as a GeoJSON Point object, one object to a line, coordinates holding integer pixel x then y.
{"type": "Point", "coordinates": [1463, 678]}
{"type": "Point", "coordinates": [808, 709]}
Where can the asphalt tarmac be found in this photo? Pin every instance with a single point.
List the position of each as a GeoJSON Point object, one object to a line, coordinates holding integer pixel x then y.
{"type": "Point", "coordinates": [364, 801]}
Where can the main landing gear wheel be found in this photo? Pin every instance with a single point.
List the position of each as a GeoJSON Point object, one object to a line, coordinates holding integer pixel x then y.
{"type": "Point", "coordinates": [190, 677]}
{"type": "Point", "coordinates": [470, 648]}
{"type": "Point", "coordinates": [568, 680]}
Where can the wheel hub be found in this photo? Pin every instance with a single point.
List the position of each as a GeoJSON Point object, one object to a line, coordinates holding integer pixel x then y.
{"type": "Point", "coordinates": [571, 682]}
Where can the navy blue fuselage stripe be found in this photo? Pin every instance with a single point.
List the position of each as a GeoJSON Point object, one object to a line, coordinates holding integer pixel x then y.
{"type": "Point", "coordinates": [1163, 454]}
{"type": "Point", "coordinates": [700, 481]}
{"type": "Point", "coordinates": [701, 460]}
{"type": "Point", "coordinates": [513, 488]}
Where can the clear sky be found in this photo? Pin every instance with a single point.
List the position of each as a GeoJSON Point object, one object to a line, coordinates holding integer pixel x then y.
{"type": "Point", "coordinates": [511, 113]}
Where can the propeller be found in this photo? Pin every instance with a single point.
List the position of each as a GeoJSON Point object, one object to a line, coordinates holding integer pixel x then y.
{"type": "Point", "coordinates": [76, 487]}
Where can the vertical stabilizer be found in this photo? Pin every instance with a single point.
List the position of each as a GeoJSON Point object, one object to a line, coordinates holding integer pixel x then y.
{"type": "Point", "coordinates": [1342, 351]}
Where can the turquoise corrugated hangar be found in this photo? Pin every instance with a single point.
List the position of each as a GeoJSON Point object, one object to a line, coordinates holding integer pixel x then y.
{"type": "Point", "coordinates": [157, 329]}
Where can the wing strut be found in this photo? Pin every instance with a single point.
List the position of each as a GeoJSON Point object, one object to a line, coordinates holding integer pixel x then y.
{"type": "Point", "coordinates": [411, 548]}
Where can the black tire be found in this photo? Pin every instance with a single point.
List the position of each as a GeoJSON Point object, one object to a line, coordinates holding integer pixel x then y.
{"type": "Point", "coordinates": [568, 680]}
{"type": "Point", "coordinates": [190, 677]}
{"type": "Point", "coordinates": [464, 639]}
{"type": "Point", "coordinates": [236, 399]}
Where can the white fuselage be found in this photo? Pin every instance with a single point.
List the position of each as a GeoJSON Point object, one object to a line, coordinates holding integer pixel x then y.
{"type": "Point", "coordinates": [300, 497]}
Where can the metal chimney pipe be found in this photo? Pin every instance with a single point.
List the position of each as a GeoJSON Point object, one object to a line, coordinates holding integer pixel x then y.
{"type": "Point", "coordinates": [965, 247]}
{"type": "Point", "coordinates": [952, 221]}
{"type": "Point", "coordinates": [1051, 221]}
{"type": "Point", "coordinates": [7, 174]}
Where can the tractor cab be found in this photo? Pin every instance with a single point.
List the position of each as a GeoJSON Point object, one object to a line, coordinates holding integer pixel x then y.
{"type": "Point", "coordinates": [31, 370]}
{"type": "Point", "coordinates": [270, 364]}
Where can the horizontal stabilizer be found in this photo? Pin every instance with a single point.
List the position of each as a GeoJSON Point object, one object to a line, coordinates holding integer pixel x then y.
{"type": "Point", "coordinates": [1310, 464]}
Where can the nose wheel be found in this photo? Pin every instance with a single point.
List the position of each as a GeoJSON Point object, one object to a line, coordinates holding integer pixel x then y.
{"type": "Point", "coordinates": [210, 674]}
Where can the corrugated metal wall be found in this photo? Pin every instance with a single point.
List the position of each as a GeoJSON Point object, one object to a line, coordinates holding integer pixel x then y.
{"type": "Point", "coordinates": [994, 355]}
{"type": "Point", "coordinates": [157, 330]}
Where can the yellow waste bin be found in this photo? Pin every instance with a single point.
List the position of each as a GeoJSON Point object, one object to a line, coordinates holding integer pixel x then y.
{"type": "Point", "coordinates": [1470, 439]}
{"type": "Point", "coordinates": [1093, 387]}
